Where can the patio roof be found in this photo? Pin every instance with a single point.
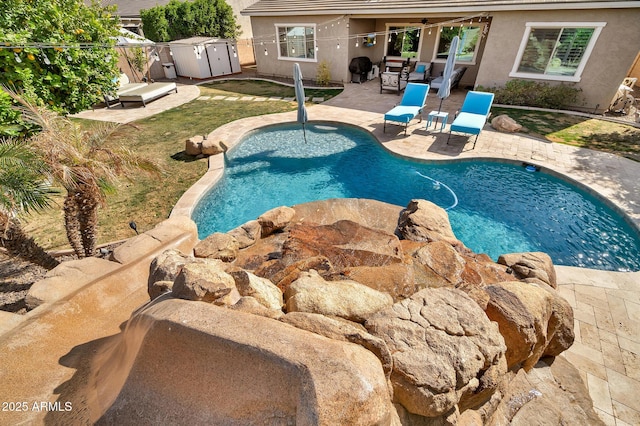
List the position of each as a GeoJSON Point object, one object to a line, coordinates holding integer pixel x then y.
{"type": "Point", "coordinates": [399, 7]}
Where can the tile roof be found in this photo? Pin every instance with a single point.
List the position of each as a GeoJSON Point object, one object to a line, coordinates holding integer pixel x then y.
{"type": "Point", "coordinates": [370, 7]}
{"type": "Point", "coordinates": [131, 8]}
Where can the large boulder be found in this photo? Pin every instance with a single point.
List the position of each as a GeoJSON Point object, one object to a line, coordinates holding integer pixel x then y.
{"type": "Point", "coordinates": [246, 234]}
{"type": "Point", "coordinates": [165, 268]}
{"type": "Point", "coordinates": [275, 219]}
{"type": "Point", "coordinates": [283, 276]}
{"type": "Point", "coordinates": [424, 221]}
{"type": "Point", "coordinates": [344, 243]}
{"type": "Point", "coordinates": [237, 369]}
{"type": "Point", "coordinates": [217, 246]}
{"type": "Point", "coordinates": [442, 258]}
{"type": "Point", "coordinates": [504, 123]}
{"type": "Point", "coordinates": [552, 393]}
{"type": "Point", "coordinates": [193, 145]}
{"type": "Point", "coordinates": [250, 305]}
{"type": "Point", "coordinates": [442, 346]}
{"type": "Point", "coordinates": [342, 330]}
{"type": "Point", "coordinates": [212, 147]}
{"type": "Point", "coordinates": [345, 299]}
{"type": "Point", "coordinates": [533, 319]}
{"type": "Point", "coordinates": [532, 266]}
{"type": "Point", "coordinates": [205, 281]}
{"type": "Point", "coordinates": [261, 289]}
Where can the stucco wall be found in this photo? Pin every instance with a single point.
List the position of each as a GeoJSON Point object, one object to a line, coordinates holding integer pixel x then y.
{"type": "Point", "coordinates": [428, 46]}
{"type": "Point", "coordinates": [358, 29]}
{"type": "Point", "coordinates": [327, 38]}
{"type": "Point", "coordinates": [613, 54]}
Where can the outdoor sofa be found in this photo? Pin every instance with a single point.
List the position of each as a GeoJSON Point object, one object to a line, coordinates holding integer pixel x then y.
{"type": "Point", "coordinates": [456, 76]}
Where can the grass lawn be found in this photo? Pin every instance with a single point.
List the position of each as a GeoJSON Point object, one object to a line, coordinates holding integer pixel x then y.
{"type": "Point", "coordinates": [148, 200]}
{"type": "Point", "coordinates": [584, 132]}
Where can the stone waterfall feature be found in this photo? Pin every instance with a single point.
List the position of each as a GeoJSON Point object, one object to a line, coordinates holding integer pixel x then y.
{"type": "Point", "coordinates": [347, 311]}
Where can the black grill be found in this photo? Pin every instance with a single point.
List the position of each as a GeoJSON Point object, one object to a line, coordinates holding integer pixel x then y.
{"type": "Point", "coordinates": [359, 68]}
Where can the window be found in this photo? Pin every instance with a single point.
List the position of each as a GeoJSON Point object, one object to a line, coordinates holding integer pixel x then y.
{"type": "Point", "coordinates": [467, 47]}
{"type": "Point", "coordinates": [296, 41]}
{"type": "Point", "coordinates": [403, 42]}
{"type": "Point", "coordinates": [555, 51]}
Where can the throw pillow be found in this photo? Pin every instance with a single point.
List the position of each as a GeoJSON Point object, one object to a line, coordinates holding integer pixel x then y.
{"type": "Point", "coordinates": [420, 68]}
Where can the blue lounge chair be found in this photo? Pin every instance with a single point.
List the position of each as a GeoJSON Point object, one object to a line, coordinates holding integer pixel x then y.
{"type": "Point", "coordinates": [413, 100]}
{"type": "Point", "coordinates": [473, 115]}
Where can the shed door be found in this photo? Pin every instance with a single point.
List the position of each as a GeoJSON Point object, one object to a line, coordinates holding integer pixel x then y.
{"type": "Point", "coordinates": [219, 59]}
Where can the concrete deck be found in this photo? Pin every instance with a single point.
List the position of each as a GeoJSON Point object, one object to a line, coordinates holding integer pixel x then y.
{"type": "Point", "coordinates": [606, 304]}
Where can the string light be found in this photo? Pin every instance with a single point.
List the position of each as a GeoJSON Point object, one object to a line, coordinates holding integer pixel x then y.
{"type": "Point", "coordinates": [461, 22]}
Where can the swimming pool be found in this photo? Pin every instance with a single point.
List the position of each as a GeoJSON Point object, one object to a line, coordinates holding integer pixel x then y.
{"type": "Point", "coordinates": [494, 207]}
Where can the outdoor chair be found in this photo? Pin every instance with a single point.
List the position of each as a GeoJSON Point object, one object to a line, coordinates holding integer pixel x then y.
{"type": "Point", "coordinates": [473, 115]}
{"type": "Point", "coordinates": [421, 72]}
{"type": "Point", "coordinates": [456, 76]}
{"type": "Point", "coordinates": [412, 103]}
{"type": "Point", "coordinates": [395, 75]}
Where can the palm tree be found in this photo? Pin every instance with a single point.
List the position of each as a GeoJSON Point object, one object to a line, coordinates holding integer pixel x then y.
{"type": "Point", "coordinates": [22, 189]}
{"type": "Point", "coordinates": [82, 163]}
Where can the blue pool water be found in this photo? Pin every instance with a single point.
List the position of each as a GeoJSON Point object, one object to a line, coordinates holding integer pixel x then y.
{"type": "Point", "coordinates": [493, 207]}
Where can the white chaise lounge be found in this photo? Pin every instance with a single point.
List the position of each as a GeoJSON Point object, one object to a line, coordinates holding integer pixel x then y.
{"type": "Point", "coordinates": [148, 93]}
{"type": "Point", "coordinates": [125, 86]}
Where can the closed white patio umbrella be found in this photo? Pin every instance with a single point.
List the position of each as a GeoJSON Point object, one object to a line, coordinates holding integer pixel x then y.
{"type": "Point", "coordinates": [299, 87]}
{"type": "Point", "coordinates": [445, 88]}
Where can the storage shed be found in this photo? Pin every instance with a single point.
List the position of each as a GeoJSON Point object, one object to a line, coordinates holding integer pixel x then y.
{"type": "Point", "coordinates": [204, 57]}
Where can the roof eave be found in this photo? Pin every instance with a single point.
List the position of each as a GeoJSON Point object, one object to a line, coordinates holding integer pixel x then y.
{"type": "Point", "coordinates": [495, 7]}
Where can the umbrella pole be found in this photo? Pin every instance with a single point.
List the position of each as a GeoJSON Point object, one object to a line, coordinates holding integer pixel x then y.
{"type": "Point", "coordinates": [440, 106]}
{"type": "Point", "coordinates": [304, 133]}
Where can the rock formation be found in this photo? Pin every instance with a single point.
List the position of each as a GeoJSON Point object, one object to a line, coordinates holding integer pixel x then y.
{"type": "Point", "coordinates": [506, 124]}
{"type": "Point", "coordinates": [445, 329]}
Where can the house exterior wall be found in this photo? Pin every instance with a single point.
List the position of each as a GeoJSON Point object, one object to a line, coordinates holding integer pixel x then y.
{"type": "Point", "coordinates": [612, 56]}
{"type": "Point", "coordinates": [327, 39]}
{"type": "Point", "coordinates": [358, 29]}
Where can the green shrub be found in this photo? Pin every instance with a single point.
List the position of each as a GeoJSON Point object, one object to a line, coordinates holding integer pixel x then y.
{"type": "Point", "coordinates": [11, 123]}
{"type": "Point", "coordinates": [77, 61]}
{"type": "Point", "coordinates": [177, 20]}
{"type": "Point", "coordinates": [323, 76]}
{"type": "Point", "coordinates": [536, 94]}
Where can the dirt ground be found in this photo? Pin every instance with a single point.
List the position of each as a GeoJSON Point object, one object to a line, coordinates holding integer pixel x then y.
{"type": "Point", "coordinates": [16, 277]}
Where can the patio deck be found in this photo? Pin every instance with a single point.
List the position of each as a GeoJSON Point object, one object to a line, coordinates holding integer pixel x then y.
{"type": "Point", "coordinates": [606, 304]}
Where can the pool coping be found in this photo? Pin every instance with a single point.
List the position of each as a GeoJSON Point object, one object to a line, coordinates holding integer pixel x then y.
{"type": "Point", "coordinates": [564, 161]}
